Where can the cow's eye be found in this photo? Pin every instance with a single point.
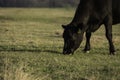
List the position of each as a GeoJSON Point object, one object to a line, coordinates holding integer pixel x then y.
{"type": "Point", "coordinates": [74, 36]}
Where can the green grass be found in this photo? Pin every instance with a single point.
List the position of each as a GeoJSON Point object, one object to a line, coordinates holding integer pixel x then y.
{"type": "Point", "coordinates": [31, 46]}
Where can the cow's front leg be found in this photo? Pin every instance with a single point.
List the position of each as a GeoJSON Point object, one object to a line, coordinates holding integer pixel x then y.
{"type": "Point", "coordinates": [87, 46]}
{"type": "Point", "coordinates": [108, 27]}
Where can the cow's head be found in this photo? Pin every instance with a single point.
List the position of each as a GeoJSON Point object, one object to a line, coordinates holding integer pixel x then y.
{"type": "Point", "coordinates": [73, 36]}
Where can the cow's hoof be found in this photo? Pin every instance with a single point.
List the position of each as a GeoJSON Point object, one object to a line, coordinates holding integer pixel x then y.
{"type": "Point", "coordinates": [112, 53]}
{"type": "Point", "coordinates": [71, 54]}
{"type": "Point", "coordinates": [86, 51]}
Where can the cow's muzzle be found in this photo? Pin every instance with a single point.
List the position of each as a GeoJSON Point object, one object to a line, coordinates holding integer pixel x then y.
{"type": "Point", "coordinates": [67, 52]}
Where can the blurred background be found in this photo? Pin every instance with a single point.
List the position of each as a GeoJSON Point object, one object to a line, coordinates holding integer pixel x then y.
{"type": "Point", "coordinates": [39, 3]}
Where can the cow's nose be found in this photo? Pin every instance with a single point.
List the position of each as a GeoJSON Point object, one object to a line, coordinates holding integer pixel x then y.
{"type": "Point", "coordinates": [64, 52]}
{"type": "Point", "coordinates": [67, 52]}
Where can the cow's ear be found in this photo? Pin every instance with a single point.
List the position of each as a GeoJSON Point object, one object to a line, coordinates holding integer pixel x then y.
{"type": "Point", "coordinates": [64, 26]}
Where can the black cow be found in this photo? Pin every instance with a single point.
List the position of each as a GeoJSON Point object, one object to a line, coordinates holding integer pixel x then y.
{"type": "Point", "coordinates": [89, 16]}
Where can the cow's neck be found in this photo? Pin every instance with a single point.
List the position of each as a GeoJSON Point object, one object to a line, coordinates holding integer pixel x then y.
{"type": "Point", "coordinates": [81, 15]}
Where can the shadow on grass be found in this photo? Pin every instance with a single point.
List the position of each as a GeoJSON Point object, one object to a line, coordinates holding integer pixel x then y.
{"type": "Point", "coordinates": [52, 51]}
{"type": "Point", "coordinates": [30, 50]}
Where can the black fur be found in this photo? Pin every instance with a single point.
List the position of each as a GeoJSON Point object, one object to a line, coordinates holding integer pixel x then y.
{"type": "Point", "coordinates": [89, 16]}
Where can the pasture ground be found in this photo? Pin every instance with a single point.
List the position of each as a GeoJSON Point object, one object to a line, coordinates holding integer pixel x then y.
{"type": "Point", "coordinates": [31, 48]}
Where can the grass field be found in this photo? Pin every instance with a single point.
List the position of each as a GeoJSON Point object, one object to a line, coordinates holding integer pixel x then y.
{"type": "Point", "coordinates": [31, 48]}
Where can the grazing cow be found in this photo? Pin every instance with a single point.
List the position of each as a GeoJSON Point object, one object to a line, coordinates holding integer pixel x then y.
{"type": "Point", "coordinates": [89, 16]}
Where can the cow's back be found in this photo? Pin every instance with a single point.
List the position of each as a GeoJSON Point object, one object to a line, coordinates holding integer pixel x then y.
{"type": "Point", "coordinates": [116, 11]}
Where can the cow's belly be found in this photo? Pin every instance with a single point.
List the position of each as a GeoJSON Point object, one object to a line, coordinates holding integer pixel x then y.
{"type": "Point", "coordinates": [116, 11]}
{"type": "Point", "coordinates": [116, 18]}
{"type": "Point", "coordinates": [116, 21]}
